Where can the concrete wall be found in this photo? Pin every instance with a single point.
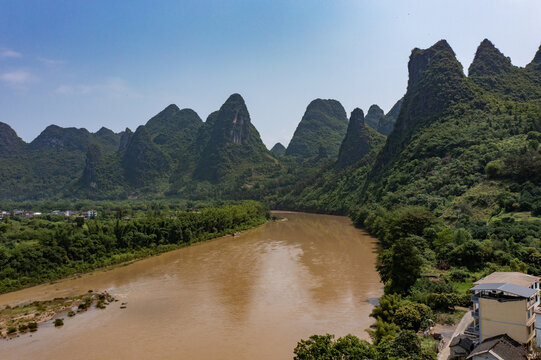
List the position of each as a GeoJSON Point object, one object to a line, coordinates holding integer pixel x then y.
{"type": "Point", "coordinates": [538, 329]}
{"type": "Point", "coordinates": [508, 318]}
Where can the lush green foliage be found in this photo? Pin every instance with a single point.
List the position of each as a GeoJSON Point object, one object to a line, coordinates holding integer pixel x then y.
{"type": "Point", "coordinates": [321, 130]}
{"type": "Point", "coordinates": [402, 345]}
{"type": "Point", "coordinates": [51, 247]}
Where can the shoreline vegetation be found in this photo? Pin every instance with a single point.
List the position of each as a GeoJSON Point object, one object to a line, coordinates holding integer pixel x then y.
{"type": "Point", "coordinates": [49, 248]}
{"type": "Point", "coordinates": [26, 318]}
{"type": "Point", "coordinates": [428, 266]}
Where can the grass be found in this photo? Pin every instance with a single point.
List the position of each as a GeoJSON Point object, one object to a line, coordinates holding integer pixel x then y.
{"type": "Point", "coordinates": [463, 287]}
{"type": "Point", "coordinates": [428, 343]}
{"type": "Point", "coordinates": [450, 318]}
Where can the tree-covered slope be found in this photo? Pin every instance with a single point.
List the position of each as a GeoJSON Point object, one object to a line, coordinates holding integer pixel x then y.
{"type": "Point", "coordinates": [373, 117]}
{"type": "Point", "coordinates": [233, 143]}
{"type": "Point", "coordinates": [278, 150]}
{"type": "Point", "coordinates": [321, 130]}
{"type": "Point", "coordinates": [386, 125]}
{"type": "Point", "coordinates": [173, 130]}
{"type": "Point", "coordinates": [10, 142]}
{"type": "Point", "coordinates": [359, 140]}
{"type": "Point", "coordinates": [451, 127]}
{"type": "Point", "coordinates": [455, 146]}
{"type": "Point", "coordinates": [143, 162]}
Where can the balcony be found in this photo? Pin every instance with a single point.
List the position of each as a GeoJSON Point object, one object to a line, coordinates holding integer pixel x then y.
{"type": "Point", "coordinates": [472, 330]}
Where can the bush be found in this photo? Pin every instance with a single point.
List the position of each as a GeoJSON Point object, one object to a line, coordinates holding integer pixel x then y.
{"type": "Point", "coordinates": [387, 307]}
{"type": "Point", "coordinates": [33, 326]}
{"type": "Point", "coordinates": [12, 330]}
{"type": "Point", "coordinates": [459, 275]}
{"type": "Point", "coordinates": [59, 322]}
{"type": "Point", "coordinates": [408, 318]}
{"type": "Point", "coordinates": [413, 316]}
{"type": "Point", "coordinates": [536, 208]}
{"type": "Point", "coordinates": [442, 302]}
{"type": "Point", "coordinates": [494, 169]}
{"type": "Point", "coordinates": [23, 328]}
{"type": "Point", "coordinates": [71, 313]}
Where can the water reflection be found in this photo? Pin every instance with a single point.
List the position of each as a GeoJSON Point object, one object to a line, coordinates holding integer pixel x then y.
{"type": "Point", "coordinates": [246, 297]}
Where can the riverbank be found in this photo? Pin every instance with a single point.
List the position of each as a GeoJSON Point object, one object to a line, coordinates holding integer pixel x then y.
{"type": "Point", "coordinates": [40, 250]}
{"type": "Point", "coordinates": [270, 286]}
{"type": "Point", "coordinates": [26, 318]}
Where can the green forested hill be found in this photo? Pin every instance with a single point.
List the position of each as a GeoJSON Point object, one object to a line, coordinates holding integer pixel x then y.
{"type": "Point", "coordinates": [450, 130]}
{"type": "Point", "coordinates": [278, 150]}
{"type": "Point", "coordinates": [359, 140]}
{"type": "Point", "coordinates": [455, 145]}
{"type": "Point", "coordinates": [321, 130]}
{"type": "Point", "coordinates": [233, 143]}
{"type": "Point", "coordinates": [454, 140]}
{"type": "Point", "coordinates": [10, 142]}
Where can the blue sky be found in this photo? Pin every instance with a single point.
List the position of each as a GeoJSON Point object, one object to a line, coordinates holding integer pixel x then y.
{"type": "Point", "coordinates": [117, 63]}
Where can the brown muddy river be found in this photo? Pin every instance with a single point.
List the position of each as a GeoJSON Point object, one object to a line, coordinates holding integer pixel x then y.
{"type": "Point", "coordinates": [247, 297]}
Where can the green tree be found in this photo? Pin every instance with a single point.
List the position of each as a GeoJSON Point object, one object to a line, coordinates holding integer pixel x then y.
{"type": "Point", "coordinates": [387, 307]}
{"type": "Point", "coordinates": [317, 347]}
{"type": "Point", "coordinates": [382, 330]}
{"type": "Point", "coordinates": [406, 265]}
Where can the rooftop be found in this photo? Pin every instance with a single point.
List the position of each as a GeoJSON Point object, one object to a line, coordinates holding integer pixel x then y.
{"type": "Point", "coordinates": [513, 289]}
{"type": "Point", "coordinates": [503, 346]}
{"type": "Point", "coordinates": [516, 278]}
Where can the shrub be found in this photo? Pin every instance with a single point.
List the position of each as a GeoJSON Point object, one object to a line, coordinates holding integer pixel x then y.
{"type": "Point", "coordinates": [407, 317]}
{"type": "Point", "coordinates": [459, 275]}
{"type": "Point", "coordinates": [536, 208]}
{"type": "Point", "coordinates": [23, 328]}
{"type": "Point", "coordinates": [33, 326]}
{"type": "Point", "coordinates": [12, 330]}
{"type": "Point", "coordinates": [443, 302]}
{"type": "Point", "coordinates": [413, 316]}
{"type": "Point", "coordinates": [494, 169]}
{"type": "Point", "coordinates": [71, 313]}
{"type": "Point", "coordinates": [387, 307]}
{"type": "Point", "coordinates": [59, 322]}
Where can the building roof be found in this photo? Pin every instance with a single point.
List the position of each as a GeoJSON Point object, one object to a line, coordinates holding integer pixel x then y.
{"type": "Point", "coordinates": [517, 290]}
{"type": "Point", "coordinates": [462, 341]}
{"type": "Point", "coordinates": [516, 278]}
{"type": "Point", "coordinates": [502, 346]}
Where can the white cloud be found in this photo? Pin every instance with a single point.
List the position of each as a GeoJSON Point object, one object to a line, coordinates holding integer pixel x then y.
{"type": "Point", "coordinates": [17, 78]}
{"type": "Point", "coordinates": [111, 87]}
{"type": "Point", "coordinates": [7, 53]}
{"type": "Point", "coordinates": [50, 62]}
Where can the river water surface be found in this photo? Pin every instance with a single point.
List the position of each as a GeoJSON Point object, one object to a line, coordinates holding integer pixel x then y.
{"type": "Point", "coordinates": [247, 297]}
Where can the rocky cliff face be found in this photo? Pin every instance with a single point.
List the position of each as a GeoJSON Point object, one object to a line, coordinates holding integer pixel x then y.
{"type": "Point", "coordinates": [232, 124]}
{"type": "Point", "coordinates": [230, 140]}
{"type": "Point", "coordinates": [436, 80]}
{"type": "Point", "coordinates": [322, 128]}
{"type": "Point", "coordinates": [10, 142]}
{"type": "Point", "coordinates": [125, 137]}
{"type": "Point", "coordinates": [90, 172]}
